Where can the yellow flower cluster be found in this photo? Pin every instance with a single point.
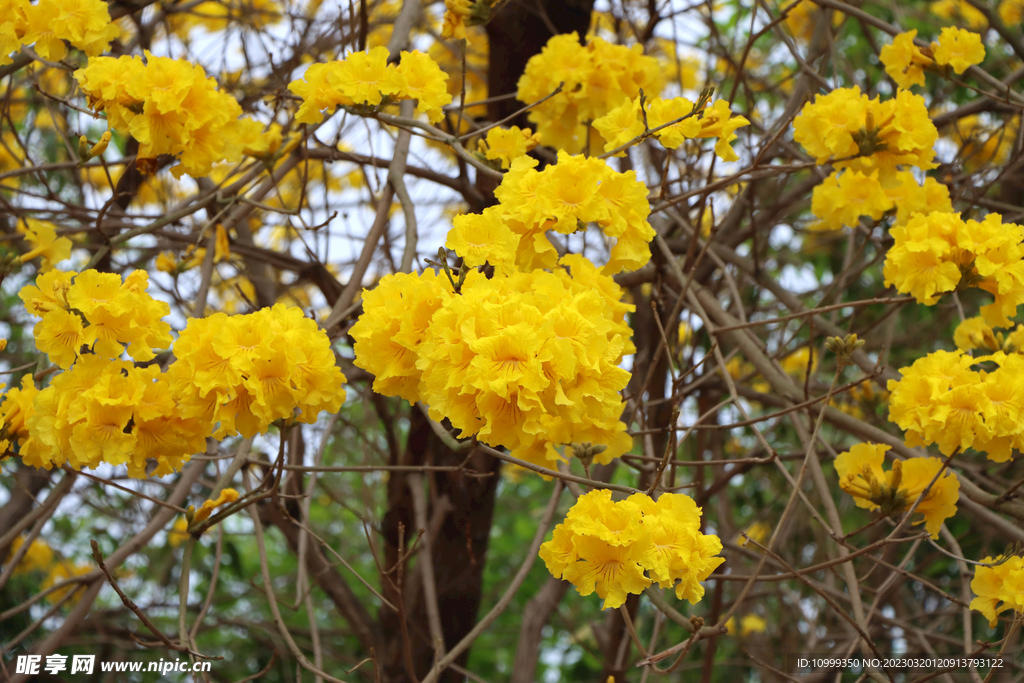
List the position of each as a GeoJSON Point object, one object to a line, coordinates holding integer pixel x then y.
{"type": "Point", "coordinates": [525, 360]}
{"type": "Point", "coordinates": [15, 409]}
{"type": "Point", "coordinates": [894, 492]}
{"type": "Point", "coordinates": [607, 546]}
{"type": "Point", "coordinates": [457, 13]}
{"type": "Point", "coordinates": [114, 412]}
{"type": "Point", "coordinates": [243, 372]}
{"type": "Point", "coordinates": [940, 399]}
{"type": "Point", "coordinates": [597, 78]}
{"type": "Point", "coordinates": [803, 15]}
{"type": "Point", "coordinates": [366, 78]}
{"type": "Point", "coordinates": [83, 23]}
{"type": "Point", "coordinates": [867, 141]}
{"type": "Point", "coordinates": [938, 252]}
{"type": "Point", "coordinates": [97, 310]}
{"type": "Point", "coordinates": [563, 197]}
{"type": "Point", "coordinates": [625, 123]}
{"type": "Point", "coordinates": [504, 145]}
{"type": "Point", "coordinates": [999, 588]}
{"type": "Point", "coordinates": [101, 409]}
{"type": "Point", "coordinates": [975, 333]}
{"type": "Point", "coordinates": [171, 107]}
{"type": "Point", "coordinates": [848, 130]}
{"type": "Point", "coordinates": [906, 63]}
{"type": "Point", "coordinates": [841, 199]}
{"type": "Point", "coordinates": [38, 557]}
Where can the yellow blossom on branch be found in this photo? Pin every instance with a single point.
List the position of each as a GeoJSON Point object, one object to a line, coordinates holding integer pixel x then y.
{"type": "Point", "coordinates": [958, 48]}
{"type": "Point", "coordinates": [507, 144]}
{"type": "Point", "coordinates": [606, 547]}
{"type": "Point", "coordinates": [894, 492]}
{"type": "Point", "coordinates": [904, 61]}
{"type": "Point", "coordinates": [595, 78]}
{"type": "Point", "coordinates": [49, 247]}
{"type": "Point", "coordinates": [366, 78]}
{"type": "Point", "coordinates": [848, 130]}
{"type": "Point", "coordinates": [226, 496]}
{"type": "Point", "coordinates": [999, 588]}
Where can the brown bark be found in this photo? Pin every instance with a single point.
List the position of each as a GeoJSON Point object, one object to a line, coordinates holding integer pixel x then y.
{"type": "Point", "coordinates": [460, 511]}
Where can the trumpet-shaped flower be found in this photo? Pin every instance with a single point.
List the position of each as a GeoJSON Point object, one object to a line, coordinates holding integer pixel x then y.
{"type": "Point", "coordinates": [999, 587]}
{"type": "Point", "coordinates": [894, 492]}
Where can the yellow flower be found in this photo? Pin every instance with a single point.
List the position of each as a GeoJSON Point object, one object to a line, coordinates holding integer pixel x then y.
{"type": "Point", "coordinates": [911, 198]}
{"type": "Point", "coordinates": [904, 61]}
{"type": "Point", "coordinates": [37, 558]}
{"type": "Point", "coordinates": [388, 334]}
{"type": "Point", "coordinates": [508, 144]}
{"type": "Point", "coordinates": [621, 125]}
{"type": "Point", "coordinates": [941, 400]}
{"type": "Point", "coordinates": [662, 112]}
{"type": "Point", "coordinates": [998, 588]}
{"type": "Point", "coordinates": [924, 261]}
{"type": "Point", "coordinates": [178, 533]}
{"type": "Point", "coordinates": [48, 294]}
{"type": "Point", "coordinates": [847, 129]}
{"type": "Point", "coordinates": [226, 496]}
{"type": "Point", "coordinates": [597, 78]}
{"type": "Point", "coordinates": [166, 263]}
{"type": "Point", "coordinates": [84, 23]}
{"type": "Point", "coordinates": [796, 363]}
{"type": "Point", "coordinates": [958, 48]}
{"type": "Point", "coordinates": [170, 106]}
{"type": "Point", "coordinates": [1011, 12]}
{"type": "Point", "coordinates": [613, 571]}
{"type": "Point", "coordinates": [975, 333]}
{"type": "Point", "coordinates": [248, 371]}
{"type": "Point", "coordinates": [221, 245]}
{"type": "Point", "coordinates": [423, 80]}
{"type": "Point", "coordinates": [894, 492]}
{"type": "Point", "coordinates": [606, 546]}
{"type": "Point", "coordinates": [685, 334]}
{"type": "Point", "coordinates": [51, 248]}
{"type": "Point", "coordinates": [843, 197]}
{"type": "Point", "coordinates": [483, 238]}
{"type": "Point", "coordinates": [62, 571]}
{"type": "Point", "coordinates": [757, 531]}
{"type": "Point", "coordinates": [60, 335]}
{"type": "Point", "coordinates": [801, 18]}
{"type": "Point", "coordinates": [366, 77]}
{"type": "Point", "coordinates": [455, 13]}
{"type": "Point", "coordinates": [750, 623]}
{"type": "Point", "coordinates": [718, 121]}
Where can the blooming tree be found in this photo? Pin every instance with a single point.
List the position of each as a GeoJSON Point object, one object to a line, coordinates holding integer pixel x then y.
{"type": "Point", "coordinates": [492, 339]}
